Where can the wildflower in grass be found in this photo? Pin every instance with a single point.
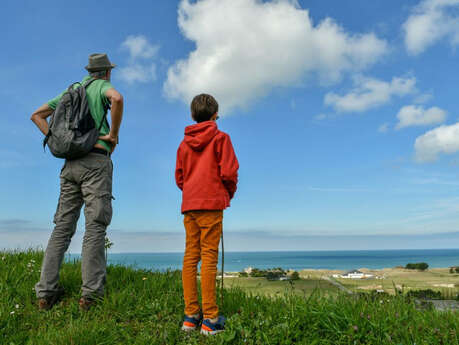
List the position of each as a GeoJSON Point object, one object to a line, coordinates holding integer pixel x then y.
{"type": "Point", "coordinates": [3, 258]}
{"type": "Point", "coordinates": [144, 278]}
{"type": "Point", "coordinates": [355, 328]}
{"type": "Point", "coordinates": [368, 316]}
{"type": "Point", "coordinates": [17, 306]}
{"type": "Point", "coordinates": [12, 313]}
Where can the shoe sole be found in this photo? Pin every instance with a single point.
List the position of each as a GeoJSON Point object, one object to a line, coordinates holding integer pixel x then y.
{"type": "Point", "coordinates": [188, 328]}
{"type": "Point", "coordinates": [205, 332]}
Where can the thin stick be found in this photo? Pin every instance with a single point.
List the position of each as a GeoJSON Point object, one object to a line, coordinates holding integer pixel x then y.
{"type": "Point", "coordinates": [223, 269]}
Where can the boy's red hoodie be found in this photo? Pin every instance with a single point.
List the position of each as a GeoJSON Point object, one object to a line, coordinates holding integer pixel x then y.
{"type": "Point", "coordinates": [206, 168]}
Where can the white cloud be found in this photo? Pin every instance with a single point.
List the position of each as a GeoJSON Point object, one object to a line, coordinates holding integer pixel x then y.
{"type": "Point", "coordinates": [443, 139]}
{"type": "Point", "coordinates": [423, 98]}
{"type": "Point", "coordinates": [383, 128]}
{"type": "Point", "coordinates": [138, 68]}
{"type": "Point", "coordinates": [429, 22]}
{"type": "Point", "coordinates": [370, 93]}
{"type": "Point", "coordinates": [138, 73]}
{"type": "Point", "coordinates": [412, 115]}
{"type": "Point", "coordinates": [320, 117]}
{"type": "Point", "coordinates": [139, 47]}
{"type": "Point", "coordinates": [245, 48]}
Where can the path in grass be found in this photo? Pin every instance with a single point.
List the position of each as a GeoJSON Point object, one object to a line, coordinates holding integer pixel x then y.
{"type": "Point", "coordinates": [338, 285]}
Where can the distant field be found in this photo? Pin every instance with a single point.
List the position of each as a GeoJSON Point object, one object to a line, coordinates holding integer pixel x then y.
{"type": "Point", "coordinates": [262, 286]}
{"type": "Point", "coordinates": [437, 279]}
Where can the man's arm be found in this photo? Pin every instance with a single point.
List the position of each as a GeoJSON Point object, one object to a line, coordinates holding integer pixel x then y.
{"type": "Point", "coordinates": [116, 113]}
{"type": "Point", "coordinates": [39, 118]}
{"type": "Point", "coordinates": [179, 171]}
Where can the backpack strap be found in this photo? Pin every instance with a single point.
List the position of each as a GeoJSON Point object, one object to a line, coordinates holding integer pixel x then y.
{"type": "Point", "coordinates": [107, 107]}
{"type": "Point", "coordinates": [45, 140]}
{"type": "Point", "coordinates": [87, 82]}
{"type": "Point", "coordinates": [104, 119]}
{"type": "Point", "coordinates": [71, 86]}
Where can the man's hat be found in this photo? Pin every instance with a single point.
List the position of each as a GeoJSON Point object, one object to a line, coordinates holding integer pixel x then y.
{"type": "Point", "coordinates": [99, 62]}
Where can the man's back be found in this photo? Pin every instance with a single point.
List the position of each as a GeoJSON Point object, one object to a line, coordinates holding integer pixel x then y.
{"type": "Point", "coordinates": [98, 104]}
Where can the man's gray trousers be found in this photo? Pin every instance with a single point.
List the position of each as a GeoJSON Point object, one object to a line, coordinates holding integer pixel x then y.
{"type": "Point", "coordinates": [87, 181]}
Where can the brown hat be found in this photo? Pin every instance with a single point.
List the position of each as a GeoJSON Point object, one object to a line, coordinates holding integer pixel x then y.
{"type": "Point", "coordinates": [99, 62]}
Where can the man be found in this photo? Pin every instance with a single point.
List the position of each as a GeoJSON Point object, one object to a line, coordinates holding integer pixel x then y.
{"type": "Point", "coordinates": [88, 181]}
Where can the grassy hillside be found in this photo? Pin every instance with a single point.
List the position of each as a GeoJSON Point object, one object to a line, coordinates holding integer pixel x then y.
{"type": "Point", "coordinates": [143, 307]}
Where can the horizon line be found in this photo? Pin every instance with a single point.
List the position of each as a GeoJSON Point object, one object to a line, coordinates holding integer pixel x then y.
{"type": "Point", "coordinates": [290, 251]}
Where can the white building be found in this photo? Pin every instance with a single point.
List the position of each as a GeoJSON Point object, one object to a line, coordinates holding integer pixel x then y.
{"type": "Point", "coordinates": [356, 274]}
{"type": "Point", "coordinates": [248, 270]}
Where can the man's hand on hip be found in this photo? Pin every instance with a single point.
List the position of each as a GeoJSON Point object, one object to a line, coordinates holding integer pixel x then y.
{"type": "Point", "coordinates": [112, 140]}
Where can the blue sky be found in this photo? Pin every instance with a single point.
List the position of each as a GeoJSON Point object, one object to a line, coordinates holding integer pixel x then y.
{"type": "Point", "coordinates": [343, 116]}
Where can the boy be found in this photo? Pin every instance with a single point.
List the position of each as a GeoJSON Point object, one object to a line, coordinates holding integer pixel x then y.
{"type": "Point", "coordinates": [206, 172]}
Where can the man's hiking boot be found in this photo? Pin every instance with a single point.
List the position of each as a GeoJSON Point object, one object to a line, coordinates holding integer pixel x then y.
{"type": "Point", "coordinates": [191, 323]}
{"type": "Point", "coordinates": [210, 328]}
{"type": "Point", "coordinates": [46, 303]}
{"type": "Point", "coordinates": [86, 303]}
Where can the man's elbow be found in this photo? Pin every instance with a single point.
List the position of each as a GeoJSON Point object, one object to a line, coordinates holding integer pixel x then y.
{"type": "Point", "coordinates": [33, 118]}
{"type": "Point", "coordinates": [117, 99]}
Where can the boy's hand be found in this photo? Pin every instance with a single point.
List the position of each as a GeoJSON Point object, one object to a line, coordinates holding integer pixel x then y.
{"type": "Point", "coordinates": [112, 140]}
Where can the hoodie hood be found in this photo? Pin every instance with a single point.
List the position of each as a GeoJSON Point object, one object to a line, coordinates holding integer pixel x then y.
{"type": "Point", "coordinates": [199, 135]}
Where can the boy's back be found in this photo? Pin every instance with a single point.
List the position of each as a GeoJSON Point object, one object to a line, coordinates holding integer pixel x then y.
{"type": "Point", "coordinates": [206, 168]}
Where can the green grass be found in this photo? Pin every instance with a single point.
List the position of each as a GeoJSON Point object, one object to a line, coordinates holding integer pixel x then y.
{"type": "Point", "coordinates": [149, 311]}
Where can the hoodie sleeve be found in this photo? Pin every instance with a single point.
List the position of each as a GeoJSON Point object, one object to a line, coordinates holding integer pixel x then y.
{"type": "Point", "coordinates": [228, 164]}
{"type": "Point", "coordinates": [179, 170]}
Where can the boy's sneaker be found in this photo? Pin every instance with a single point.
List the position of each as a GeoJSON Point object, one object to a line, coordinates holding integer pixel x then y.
{"type": "Point", "coordinates": [191, 323]}
{"type": "Point", "coordinates": [210, 328]}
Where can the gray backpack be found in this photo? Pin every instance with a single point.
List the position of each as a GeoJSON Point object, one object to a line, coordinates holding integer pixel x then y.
{"type": "Point", "coordinates": [72, 129]}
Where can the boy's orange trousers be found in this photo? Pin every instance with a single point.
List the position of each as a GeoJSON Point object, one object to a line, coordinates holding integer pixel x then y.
{"type": "Point", "coordinates": [203, 231]}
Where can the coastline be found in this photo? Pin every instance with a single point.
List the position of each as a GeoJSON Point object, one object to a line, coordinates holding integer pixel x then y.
{"type": "Point", "coordinates": [297, 260]}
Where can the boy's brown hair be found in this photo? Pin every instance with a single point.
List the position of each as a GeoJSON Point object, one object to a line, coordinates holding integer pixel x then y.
{"type": "Point", "coordinates": [203, 107]}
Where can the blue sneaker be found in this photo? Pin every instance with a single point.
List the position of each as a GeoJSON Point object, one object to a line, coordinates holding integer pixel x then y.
{"type": "Point", "coordinates": [191, 323]}
{"type": "Point", "coordinates": [210, 328]}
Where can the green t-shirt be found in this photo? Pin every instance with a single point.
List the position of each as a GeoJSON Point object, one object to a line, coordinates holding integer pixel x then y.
{"type": "Point", "coordinates": [95, 93]}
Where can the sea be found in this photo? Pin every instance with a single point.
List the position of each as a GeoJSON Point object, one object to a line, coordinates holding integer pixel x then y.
{"type": "Point", "coordinates": [331, 260]}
